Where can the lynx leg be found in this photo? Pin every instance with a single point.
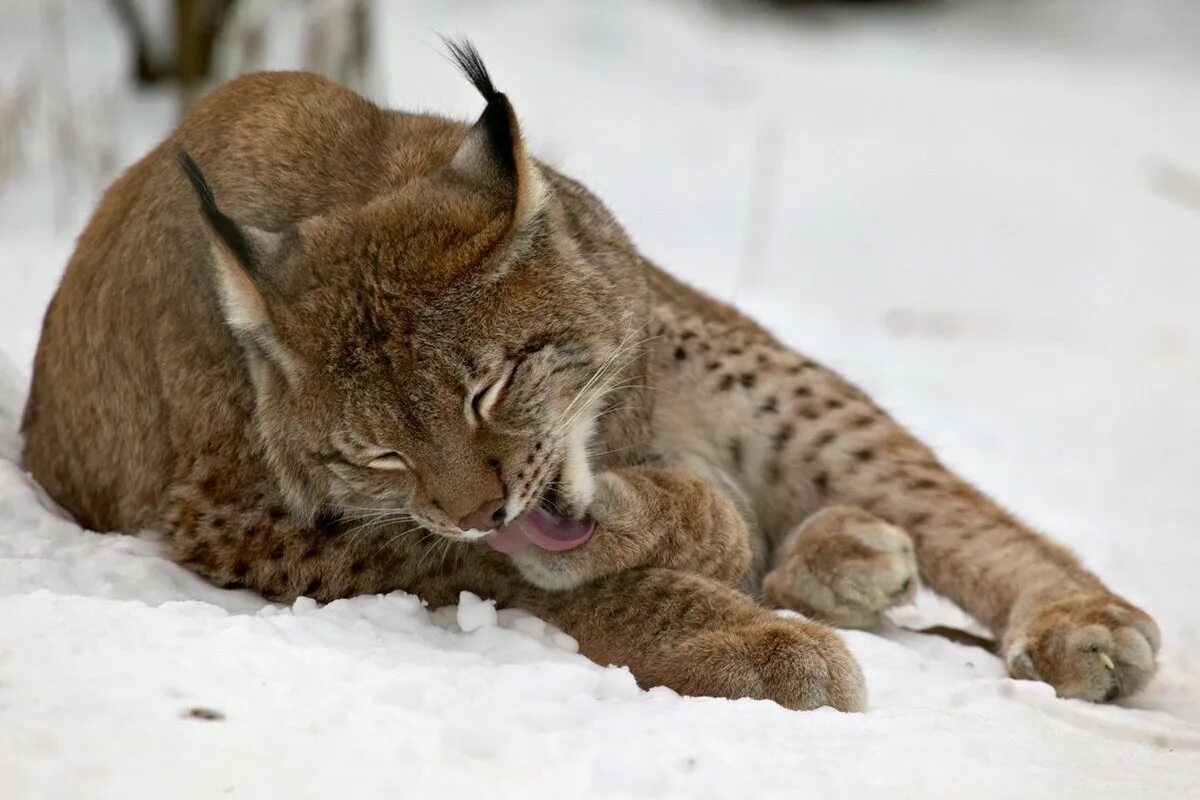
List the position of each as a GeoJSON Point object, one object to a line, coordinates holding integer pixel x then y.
{"type": "Point", "coordinates": [1056, 621]}
{"type": "Point", "coordinates": [843, 566]}
{"type": "Point", "coordinates": [702, 638]}
{"type": "Point", "coordinates": [237, 534]}
{"type": "Point", "coordinates": [797, 436]}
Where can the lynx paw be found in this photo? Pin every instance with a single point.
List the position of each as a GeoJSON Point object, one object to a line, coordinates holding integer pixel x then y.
{"type": "Point", "coordinates": [554, 572]}
{"type": "Point", "coordinates": [796, 663]}
{"type": "Point", "coordinates": [1092, 647]}
{"type": "Point", "coordinates": [647, 516]}
{"type": "Point", "coordinates": [844, 566]}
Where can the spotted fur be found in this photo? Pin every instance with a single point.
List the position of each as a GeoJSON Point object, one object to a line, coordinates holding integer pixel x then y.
{"type": "Point", "coordinates": [341, 334]}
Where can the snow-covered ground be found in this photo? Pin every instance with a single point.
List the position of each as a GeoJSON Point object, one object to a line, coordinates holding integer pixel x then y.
{"type": "Point", "coordinates": [989, 216]}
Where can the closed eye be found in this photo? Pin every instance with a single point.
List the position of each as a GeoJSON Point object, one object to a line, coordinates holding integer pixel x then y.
{"type": "Point", "coordinates": [390, 460]}
{"type": "Point", "coordinates": [480, 404]}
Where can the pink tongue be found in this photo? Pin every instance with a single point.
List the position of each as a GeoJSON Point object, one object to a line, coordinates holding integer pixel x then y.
{"type": "Point", "coordinates": [543, 529]}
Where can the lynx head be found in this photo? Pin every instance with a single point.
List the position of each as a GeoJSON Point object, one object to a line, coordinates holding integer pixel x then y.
{"type": "Point", "coordinates": [440, 354]}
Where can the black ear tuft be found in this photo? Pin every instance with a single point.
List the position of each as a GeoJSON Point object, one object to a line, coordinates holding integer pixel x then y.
{"type": "Point", "coordinates": [467, 59]}
{"type": "Point", "coordinates": [498, 121]}
{"type": "Point", "coordinates": [223, 226]}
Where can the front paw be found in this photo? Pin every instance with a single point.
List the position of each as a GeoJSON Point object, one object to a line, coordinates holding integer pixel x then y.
{"type": "Point", "coordinates": [644, 517]}
{"type": "Point", "coordinates": [555, 571]}
{"type": "Point", "coordinates": [1092, 647]}
{"type": "Point", "coordinates": [561, 568]}
{"type": "Point", "coordinates": [795, 662]}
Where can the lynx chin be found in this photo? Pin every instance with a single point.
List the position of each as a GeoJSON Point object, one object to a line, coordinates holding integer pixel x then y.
{"type": "Point", "coordinates": [321, 348]}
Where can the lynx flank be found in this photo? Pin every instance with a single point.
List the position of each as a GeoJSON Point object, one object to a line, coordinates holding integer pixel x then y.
{"type": "Point", "coordinates": [320, 348]}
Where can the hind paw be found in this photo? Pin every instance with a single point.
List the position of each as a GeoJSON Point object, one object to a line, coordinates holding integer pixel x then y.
{"type": "Point", "coordinates": [1091, 647]}
{"type": "Point", "coordinates": [844, 566]}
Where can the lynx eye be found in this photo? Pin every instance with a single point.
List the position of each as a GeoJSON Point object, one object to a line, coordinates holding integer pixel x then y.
{"type": "Point", "coordinates": [390, 460]}
{"type": "Point", "coordinates": [479, 405]}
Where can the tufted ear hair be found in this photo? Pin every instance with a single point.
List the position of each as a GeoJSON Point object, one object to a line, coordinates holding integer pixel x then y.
{"type": "Point", "coordinates": [241, 255]}
{"type": "Point", "coordinates": [493, 153]}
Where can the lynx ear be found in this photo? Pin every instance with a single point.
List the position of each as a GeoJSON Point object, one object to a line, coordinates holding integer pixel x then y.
{"type": "Point", "coordinates": [241, 253]}
{"type": "Point", "coordinates": [493, 152]}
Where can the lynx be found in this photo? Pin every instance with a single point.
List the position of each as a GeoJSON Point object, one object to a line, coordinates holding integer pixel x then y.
{"type": "Point", "coordinates": [320, 348]}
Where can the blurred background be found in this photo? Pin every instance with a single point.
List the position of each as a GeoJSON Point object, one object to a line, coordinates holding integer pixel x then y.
{"type": "Point", "coordinates": [962, 152]}
{"type": "Point", "coordinates": [985, 211]}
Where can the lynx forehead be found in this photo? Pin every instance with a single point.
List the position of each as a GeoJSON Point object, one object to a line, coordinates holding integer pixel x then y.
{"type": "Point", "coordinates": [319, 347]}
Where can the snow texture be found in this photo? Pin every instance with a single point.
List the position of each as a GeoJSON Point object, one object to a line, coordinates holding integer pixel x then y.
{"type": "Point", "coordinates": [986, 215]}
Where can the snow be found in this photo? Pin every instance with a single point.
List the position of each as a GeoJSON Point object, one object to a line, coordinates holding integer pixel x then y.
{"type": "Point", "coordinates": [985, 215]}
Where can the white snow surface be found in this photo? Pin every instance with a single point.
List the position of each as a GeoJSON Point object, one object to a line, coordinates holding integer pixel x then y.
{"type": "Point", "coordinates": [988, 216]}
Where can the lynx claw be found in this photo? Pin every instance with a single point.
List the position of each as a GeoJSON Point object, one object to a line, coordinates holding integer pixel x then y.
{"type": "Point", "coordinates": [1096, 648]}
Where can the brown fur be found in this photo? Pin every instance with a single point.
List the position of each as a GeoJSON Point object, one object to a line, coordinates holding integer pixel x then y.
{"type": "Point", "coordinates": [417, 325]}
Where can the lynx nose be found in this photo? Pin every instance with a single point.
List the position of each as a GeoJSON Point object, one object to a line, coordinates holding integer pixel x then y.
{"type": "Point", "coordinates": [487, 516]}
